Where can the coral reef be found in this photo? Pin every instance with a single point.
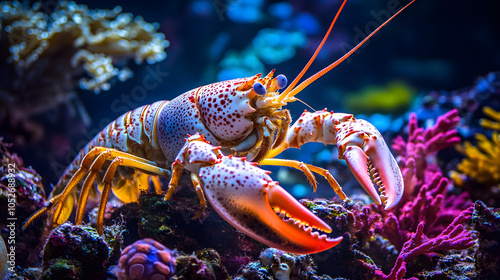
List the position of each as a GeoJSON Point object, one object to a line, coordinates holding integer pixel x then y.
{"type": "Point", "coordinates": [52, 50]}
{"type": "Point", "coordinates": [413, 154]}
{"type": "Point", "coordinates": [457, 266]}
{"type": "Point", "coordinates": [201, 265]}
{"type": "Point", "coordinates": [74, 252]}
{"type": "Point", "coordinates": [3, 259]}
{"type": "Point", "coordinates": [355, 222]}
{"type": "Point", "coordinates": [146, 259]}
{"type": "Point", "coordinates": [113, 236]}
{"type": "Point", "coordinates": [244, 11]}
{"type": "Point", "coordinates": [428, 220]}
{"type": "Point", "coordinates": [427, 216]}
{"type": "Point", "coordinates": [169, 222]}
{"type": "Point", "coordinates": [49, 50]}
{"type": "Point", "coordinates": [454, 237]}
{"type": "Point", "coordinates": [486, 222]}
{"type": "Point", "coordinates": [491, 124]}
{"type": "Point", "coordinates": [426, 189]}
{"type": "Point", "coordinates": [279, 265]}
{"type": "Point", "coordinates": [25, 274]}
{"type": "Point", "coordinates": [21, 194]}
{"type": "Point", "coordinates": [239, 64]}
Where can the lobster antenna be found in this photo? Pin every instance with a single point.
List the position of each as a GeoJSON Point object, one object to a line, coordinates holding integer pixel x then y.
{"type": "Point", "coordinates": [325, 70]}
{"type": "Point", "coordinates": [313, 57]}
{"type": "Point", "coordinates": [303, 102]}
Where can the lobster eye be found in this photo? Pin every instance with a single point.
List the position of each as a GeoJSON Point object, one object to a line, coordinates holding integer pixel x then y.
{"type": "Point", "coordinates": [259, 88]}
{"type": "Point", "coordinates": [281, 80]}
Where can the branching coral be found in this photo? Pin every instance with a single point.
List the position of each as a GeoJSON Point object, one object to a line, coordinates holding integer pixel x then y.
{"type": "Point", "coordinates": [431, 205]}
{"type": "Point", "coordinates": [455, 236]}
{"type": "Point", "coordinates": [47, 51]}
{"type": "Point", "coordinates": [491, 124]}
{"type": "Point", "coordinates": [425, 197]}
{"type": "Point", "coordinates": [482, 162]}
{"type": "Point", "coordinates": [413, 154]}
{"type": "Point", "coordinates": [480, 170]}
{"type": "Point", "coordinates": [427, 219]}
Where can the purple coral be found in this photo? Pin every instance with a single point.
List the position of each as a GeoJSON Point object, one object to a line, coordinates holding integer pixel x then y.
{"type": "Point", "coordinates": [146, 259]}
{"type": "Point", "coordinates": [427, 219]}
{"type": "Point", "coordinates": [455, 236]}
{"type": "Point", "coordinates": [414, 153]}
{"type": "Point", "coordinates": [425, 197]}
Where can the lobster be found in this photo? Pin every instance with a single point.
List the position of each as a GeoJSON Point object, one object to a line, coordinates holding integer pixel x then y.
{"type": "Point", "coordinates": [235, 126]}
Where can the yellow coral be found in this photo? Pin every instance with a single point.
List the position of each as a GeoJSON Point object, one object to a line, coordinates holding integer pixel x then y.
{"type": "Point", "coordinates": [382, 99]}
{"type": "Point", "coordinates": [482, 162]}
{"type": "Point", "coordinates": [495, 125]}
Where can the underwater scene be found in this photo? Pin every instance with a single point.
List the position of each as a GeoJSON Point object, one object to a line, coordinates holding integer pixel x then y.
{"type": "Point", "coordinates": [250, 139]}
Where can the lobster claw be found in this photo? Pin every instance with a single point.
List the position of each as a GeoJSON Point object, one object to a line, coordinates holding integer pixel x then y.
{"type": "Point", "coordinates": [246, 197]}
{"type": "Point", "coordinates": [369, 158]}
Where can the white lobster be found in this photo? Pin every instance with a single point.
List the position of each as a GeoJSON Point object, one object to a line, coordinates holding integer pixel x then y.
{"type": "Point", "coordinates": [241, 118]}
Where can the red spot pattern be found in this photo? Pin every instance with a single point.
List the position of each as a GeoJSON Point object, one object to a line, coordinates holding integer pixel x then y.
{"type": "Point", "coordinates": [224, 110]}
{"type": "Point", "coordinates": [232, 180]}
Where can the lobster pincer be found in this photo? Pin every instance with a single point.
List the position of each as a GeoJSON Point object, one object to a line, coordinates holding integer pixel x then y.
{"type": "Point", "coordinates": [360, 144]}
{"type": "Point", "coordinates": [246, 197]}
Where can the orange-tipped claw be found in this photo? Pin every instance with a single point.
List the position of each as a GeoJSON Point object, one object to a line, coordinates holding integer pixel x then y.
{"type": "Point", "coordinates": [370, 161]}
{"type": "Point", "coordinates": [246, 197]}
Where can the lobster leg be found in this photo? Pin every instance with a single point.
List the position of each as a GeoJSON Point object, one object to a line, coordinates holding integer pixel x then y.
{"type": "Point", "coordinates": [108, 178]}
{"type": "Point", "coordinates": [203, 202]}
{"type": "Point", "coordinates": [331, 180]}
{"type": "Point", "coordinates": [87, 185]}
{"type": "Point", "coordinates": [65, 204]}
{"type": "Point", "coordinates": [53, 201]}
{"type": "Point", "coordinates": [176, 174]}
{"type": "Point", "coordinates": [156, 184]}
{"type": "Point", "coordinates": [174, 180]}
{"type": "Point", "coordinates": [307, 169]}
{"type": "Point", "coordinates": [120, 158]}
{"type": "Point", "coordinates": [97, 156]}
{"type": "Point", "coordinates": [87, 161]}
{"type": "Point", "coordinates": [294, 164]}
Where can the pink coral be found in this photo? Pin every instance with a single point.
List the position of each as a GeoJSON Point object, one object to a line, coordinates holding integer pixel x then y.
{"type": "Point", "coordinates": [146, 259]}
